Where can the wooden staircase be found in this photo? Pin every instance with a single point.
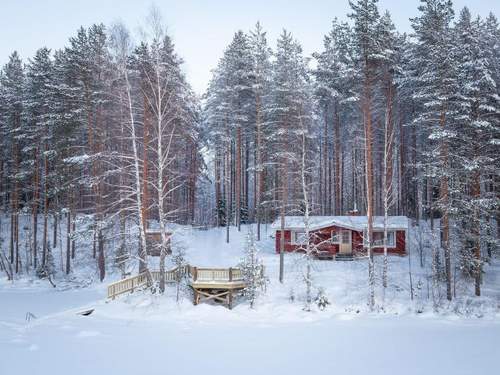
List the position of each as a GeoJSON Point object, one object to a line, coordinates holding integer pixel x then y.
{"type": "Point", "coordinates": [344, 257]}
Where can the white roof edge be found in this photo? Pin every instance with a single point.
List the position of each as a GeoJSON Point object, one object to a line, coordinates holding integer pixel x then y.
{"type": "Point", "coordinates": [351, 222]}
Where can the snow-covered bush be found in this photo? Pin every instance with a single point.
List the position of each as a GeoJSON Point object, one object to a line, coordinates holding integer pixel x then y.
{"type": "Point", "coordinates": [47, 270]}
{"type": "Point", "coordinates": [321, 300]}
{"type": "Point", "coordinates": [180, 262]}
{"type": "Point", "coordinates": [252, 270]}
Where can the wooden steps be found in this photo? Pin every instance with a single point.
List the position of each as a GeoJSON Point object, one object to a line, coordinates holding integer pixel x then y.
{"type": "Point", "coordinates": [344, 257]}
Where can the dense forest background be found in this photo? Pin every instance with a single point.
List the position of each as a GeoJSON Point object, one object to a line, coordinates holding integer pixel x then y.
{"type": "Point", "coordinates": [106, 135]}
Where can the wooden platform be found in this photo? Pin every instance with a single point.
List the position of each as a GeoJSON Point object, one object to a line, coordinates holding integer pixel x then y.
{"type": "Point", "coordinates": [208, 284]}
{"type": "Point", "coordinates": [216, 284]}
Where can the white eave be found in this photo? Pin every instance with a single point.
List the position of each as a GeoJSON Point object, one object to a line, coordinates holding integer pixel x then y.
{"type": "Point", "coordinates": [357, 223]}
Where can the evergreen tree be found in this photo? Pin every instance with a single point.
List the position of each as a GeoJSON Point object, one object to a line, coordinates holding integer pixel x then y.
{"type": "Point", "coordinates": [435, 82]}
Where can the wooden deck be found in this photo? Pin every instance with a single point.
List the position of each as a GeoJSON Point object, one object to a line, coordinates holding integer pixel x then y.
{"type": "Point", "coordinates": [216, 284]}
{"type": "Point", "coordinates": [208, 284]}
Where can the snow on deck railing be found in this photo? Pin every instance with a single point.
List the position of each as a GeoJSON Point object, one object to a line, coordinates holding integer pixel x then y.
{"type": "Point", "coordinates": [130, 284]}
{"type": "Point", "coordinates": [216, 274]}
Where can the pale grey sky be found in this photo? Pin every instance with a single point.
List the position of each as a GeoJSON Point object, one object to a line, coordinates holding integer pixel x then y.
{"type": "Point", "coordinates": [201, 29]}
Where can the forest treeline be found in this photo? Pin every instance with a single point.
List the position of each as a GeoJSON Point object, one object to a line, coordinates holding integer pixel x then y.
{"type": "Point", "coordinates": [393, 123]}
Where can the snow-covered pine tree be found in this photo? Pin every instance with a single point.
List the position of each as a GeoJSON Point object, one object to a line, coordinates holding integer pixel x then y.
{"type": "Point", "coordinates": [334, 94]}
{"type": "Point", "coordinates": [290, 99]}
{"type": "Point", "coordinates": [476, 121]}
{"type": "Point", "coordinates": [261, 54]}
{"type": "Point", "coordinates": [434, 84]}
{"type": "Point", "coordinates": [240, 81]}
{"type": "Point", "coordinates": [12, 82]}
{"type": "Point", "coordinates": [252, 270]}
{"type": "Point", "coordinates": [39, 133]}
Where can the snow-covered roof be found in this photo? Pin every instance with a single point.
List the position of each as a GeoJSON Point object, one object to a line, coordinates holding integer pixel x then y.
{"type": "Point", "coordinates": [350, 222]}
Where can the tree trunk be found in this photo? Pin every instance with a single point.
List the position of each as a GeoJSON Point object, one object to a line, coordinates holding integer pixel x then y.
{"type": "Point", "coordinates": [367, 119]}
{"type": "Point", "coordinates": [54, 230]}
{"type": "Point", "coordinates": [387, 172]}
{"type": "Point", "coordinates": [259, 166]}
{"type": "Point", "coordinates": [68, 243]}
{"type": "Point", "coordinates": [145, 178]}
{"type": "Point", "coordinates": [338, 152]}
{"type": "Point", "coordinates": [284, 198]}
{"type": "Point", "coordinates": [45, 207]}
{"type": "Point", "coordinates": [101, 260]}
{"type": "Point", "coordinates": [238, 178]}
{"type": "Point", "coordinates": [34, 210]}
{"type": "Point", "coordinates": [476, 193]}
{"type": "Point", "coordinates": [325, 207]}
{"type": "Point", "coordinates": [445, 226]}
{"type": "Point", "coordinates": [228, 176]}
{"type": "Point", "coordinates": [217, 188]}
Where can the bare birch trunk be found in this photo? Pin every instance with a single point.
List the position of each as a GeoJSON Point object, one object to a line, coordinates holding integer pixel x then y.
{"type": "Point", "coordinates": [138, 198]}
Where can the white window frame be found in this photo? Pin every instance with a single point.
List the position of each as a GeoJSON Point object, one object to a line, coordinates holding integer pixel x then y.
{"type": "Point", "coordinates": [390, 244]}
{"type": "Point", "coordinates": [295, 237]}
{"type": "Point", "coordinates": [337, 234]}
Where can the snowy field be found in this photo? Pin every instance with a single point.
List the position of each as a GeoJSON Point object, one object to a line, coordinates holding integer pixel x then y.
{"type": "Point", "coordinates": [151, 334]}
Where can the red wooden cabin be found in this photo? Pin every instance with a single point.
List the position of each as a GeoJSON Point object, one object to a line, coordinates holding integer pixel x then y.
{"type": "Point", "coordinates": [344, 235]}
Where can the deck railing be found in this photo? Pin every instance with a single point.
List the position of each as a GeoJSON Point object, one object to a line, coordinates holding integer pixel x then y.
{"type": "Point", "coordinates": [131, 283]}
{"type": "Point", "coordinates": [215, 274]}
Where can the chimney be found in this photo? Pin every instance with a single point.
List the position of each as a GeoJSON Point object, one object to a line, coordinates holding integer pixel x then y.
{"type": "Point", "coordinates": [353, 212]}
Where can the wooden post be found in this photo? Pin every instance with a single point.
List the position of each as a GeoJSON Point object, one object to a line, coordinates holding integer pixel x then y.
{"type": "Point", "coordinates": [230, 299]}
{"type": "Point", "coordinates": [195, 302]}
{"type": "Point", "coordinates": [230, 274]}
{"type": "Point", "coordinates": [195, 273]}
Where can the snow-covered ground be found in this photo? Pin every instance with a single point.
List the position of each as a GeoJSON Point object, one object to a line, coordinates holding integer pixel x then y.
{"type": "Point", "coordinates": [151, 334]}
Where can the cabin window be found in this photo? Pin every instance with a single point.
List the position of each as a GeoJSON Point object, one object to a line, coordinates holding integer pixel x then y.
{"type": "Point", "coordinates": [378, 238]}
{"type": "Point", "coordinates": [346, 237]}
{"type": "Point", "coordinates": [335, 238]}
{"type": "Point", "coordinates": [299, 237]}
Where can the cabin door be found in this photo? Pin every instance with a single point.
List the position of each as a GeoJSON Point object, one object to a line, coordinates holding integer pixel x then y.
{"type": "Point", "coordinates": [345, 242]}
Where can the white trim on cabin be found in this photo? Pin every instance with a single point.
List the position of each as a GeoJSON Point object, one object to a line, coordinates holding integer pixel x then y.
{"type": "Point", "coordinates": [391, 239]}
{"type": "Point", "coordinates": [298, 237]}
{"type": "Point", "coordinates": [356, 223]}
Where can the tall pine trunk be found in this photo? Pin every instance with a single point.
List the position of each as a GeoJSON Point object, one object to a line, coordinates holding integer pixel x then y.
{"type": "Point", "coordinates": [338, 154]}
{"type": "Point", "coordinates": [238, 178]}
{"type": "Point", "coordinates": [259, 167]}
{"type": "Point", "coordinates": [444, 197]}
{"type": "Point", "coordinates": [476, 193]}
{"type": "Point", "coordinates": [45, 206]}
{"type": "Point", "coordinates": [68, 242]}
{"type": "Point", "coordinates": [387, 173]}
{"type": "Point", "coordinates": [367, 120]}
{"type": "Point", "coordinates": [284, 198]}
